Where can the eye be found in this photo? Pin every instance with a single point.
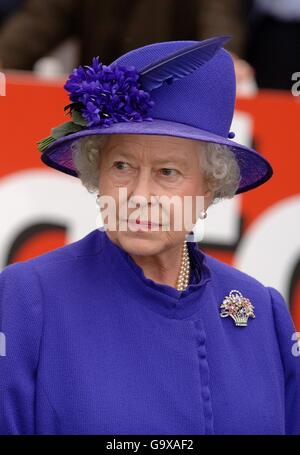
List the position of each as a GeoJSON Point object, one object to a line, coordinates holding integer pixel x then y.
{"type": "Point", "coordinates": [120, 165]}
{"type": "Point", "coordinates": [169, 172]}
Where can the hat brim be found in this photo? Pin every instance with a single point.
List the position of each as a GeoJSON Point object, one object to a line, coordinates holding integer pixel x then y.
{"type": "Point", "coordinates": [254, 168]}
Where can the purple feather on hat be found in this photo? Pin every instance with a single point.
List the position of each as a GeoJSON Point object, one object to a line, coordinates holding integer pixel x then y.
{"type": "Point", "coordinates": [180, 63]}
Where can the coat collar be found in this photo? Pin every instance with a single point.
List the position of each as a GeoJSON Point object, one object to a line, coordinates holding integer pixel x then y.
{"type": "Point", "coordinates": [159, 297]}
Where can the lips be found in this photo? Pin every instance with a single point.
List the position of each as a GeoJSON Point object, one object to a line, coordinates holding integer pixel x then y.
{"type": "Point", "coordinates": [140, 222]}
{"type": "Point", "coordinates": [144, 223]}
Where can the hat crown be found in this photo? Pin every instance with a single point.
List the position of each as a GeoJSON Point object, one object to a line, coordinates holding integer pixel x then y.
{"type": "Point", "coordinates": [204, 99]}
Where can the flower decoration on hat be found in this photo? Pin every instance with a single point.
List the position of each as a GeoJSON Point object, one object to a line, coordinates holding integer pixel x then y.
{"type": "Point", "coordinates": [108, 94]}
{"type": "Point", "coordinates": [101, 95]}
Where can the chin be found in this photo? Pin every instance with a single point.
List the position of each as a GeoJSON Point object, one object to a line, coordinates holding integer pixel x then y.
{"type": "Point", "coordinates": [142, 243]}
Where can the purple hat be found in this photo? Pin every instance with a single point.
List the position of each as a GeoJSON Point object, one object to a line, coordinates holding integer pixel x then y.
{"type": "Point", "coordinates": [175, 88]}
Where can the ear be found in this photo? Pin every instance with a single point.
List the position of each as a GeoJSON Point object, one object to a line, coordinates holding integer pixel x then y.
{"type": "Point", "coordinates": [208, 198]}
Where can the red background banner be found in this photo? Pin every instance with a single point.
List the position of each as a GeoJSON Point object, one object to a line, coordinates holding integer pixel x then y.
{"type": "Point", "coordinates": [32, 106]}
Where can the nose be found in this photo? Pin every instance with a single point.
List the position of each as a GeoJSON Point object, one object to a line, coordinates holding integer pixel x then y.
{"type": "Point", "coordinates": [142, 187]}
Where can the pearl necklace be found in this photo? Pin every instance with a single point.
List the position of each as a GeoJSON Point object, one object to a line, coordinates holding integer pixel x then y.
{"type": "Point", "coordinates": [184, 274]}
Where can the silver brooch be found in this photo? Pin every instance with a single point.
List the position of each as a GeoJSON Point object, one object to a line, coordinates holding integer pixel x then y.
{"type": "Point", "coordinates": [238, 307]}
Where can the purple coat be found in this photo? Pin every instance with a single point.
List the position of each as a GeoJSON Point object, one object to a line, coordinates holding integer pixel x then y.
{"type": "Point", "coordinates": [95, 347]}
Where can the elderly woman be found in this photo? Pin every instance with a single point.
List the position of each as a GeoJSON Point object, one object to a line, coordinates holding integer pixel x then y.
{"type": "Point", "coordinates": [133, 329]}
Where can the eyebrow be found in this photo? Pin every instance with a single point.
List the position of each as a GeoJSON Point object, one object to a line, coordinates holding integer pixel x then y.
{"type": "Point", "coordinates": [179, 161]}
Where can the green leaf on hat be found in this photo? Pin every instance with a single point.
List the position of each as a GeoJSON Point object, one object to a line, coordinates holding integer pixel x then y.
{"type": "Point", "coordinates": [59, 131]}
{"type": "Point", "coordinates": [64, 129]}
{"type": "Point", "coordinates": [44, 143]}
{"type": "Point", "coordinates": [78, 118]}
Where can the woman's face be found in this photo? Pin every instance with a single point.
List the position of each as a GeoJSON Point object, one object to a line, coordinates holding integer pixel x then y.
{"type": "Point", "coordinates": [154, 173]}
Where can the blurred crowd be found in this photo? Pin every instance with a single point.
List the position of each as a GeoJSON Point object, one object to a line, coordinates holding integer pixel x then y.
{"type": "Point", "coordinates": [265, 34]}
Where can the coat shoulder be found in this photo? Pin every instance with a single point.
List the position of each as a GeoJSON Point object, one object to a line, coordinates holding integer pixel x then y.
{"type": "Point", "coordinates": [226, 278]}
{"type": "Point", "coordinates": [86, 246]}
{"type": "Point", "coordinates": [225, 273]}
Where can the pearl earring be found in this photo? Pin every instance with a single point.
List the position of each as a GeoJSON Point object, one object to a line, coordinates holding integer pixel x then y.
{"type": "Point", "coordinates": [203, 215]}
{"type": "Point", "coordinates": [97, 199]}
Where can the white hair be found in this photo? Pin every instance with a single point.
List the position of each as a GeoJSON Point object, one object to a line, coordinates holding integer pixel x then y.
{"type": "Point", "coordinates": [218, 163]}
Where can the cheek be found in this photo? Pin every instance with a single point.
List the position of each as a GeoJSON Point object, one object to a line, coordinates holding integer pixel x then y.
{"type": "Point", "coordinates": [192, 186]}
{"type": "Point", "coordinates": [106, 184]}
{"type": "Point", "coordinates": [109, 203]}
{"type": "Point", "coordinates": [196, 185]}
{"type": "Point", "coordinates": [112, 184]}
{"type": "Point", "coordinates": [192, 203]}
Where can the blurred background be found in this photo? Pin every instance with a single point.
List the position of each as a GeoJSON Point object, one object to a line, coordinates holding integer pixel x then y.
{"type": "Point", "coordinates": [42, 41]}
